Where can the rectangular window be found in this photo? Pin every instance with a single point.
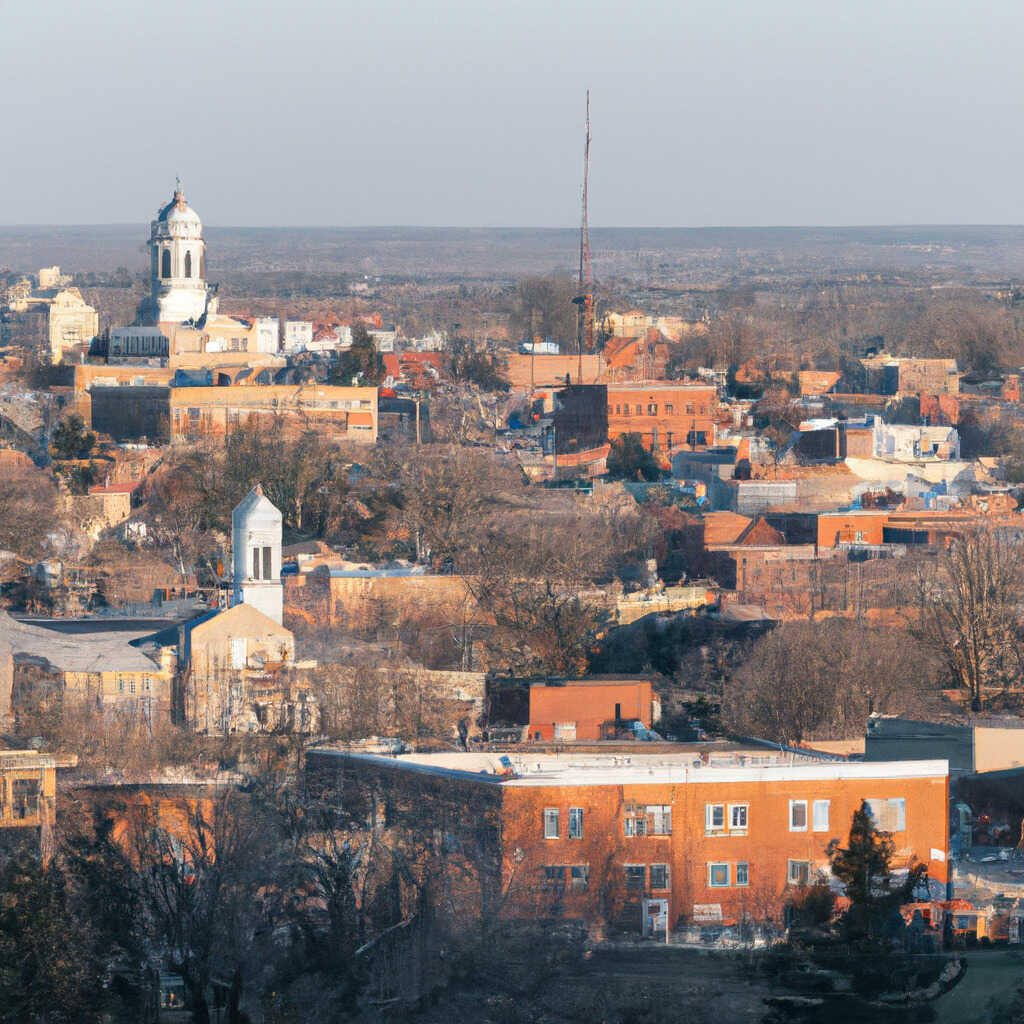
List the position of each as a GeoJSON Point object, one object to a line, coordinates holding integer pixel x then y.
{"type": "Point", "coordinates": [689, 408]}
{"type": "Point", "coordinates": [668, 440]}
{"type": "Point", "coordinates": [635, 825]}
{"type": "Point", "coordinates": [120, 685]}
{"type": "Point", "coordinates": [634, 876]}
{"type": "Point", "coordinates": [575, 822]}
{"type": "Point", "coordinates": [797, 815]}
{"type": "Point", "coordinates": [714, 817]}
{"type": "Point", "coordinates": [742, 873]}
{"type": "Point", "coordinates": [618, 410]}
{"type": "Point", "coordinates": [738, 817]}
{"type": "Point", "coordinates": [652, 409]}
{"type": "Point", "coordinates": [550, 822]}
{"type": "Point", "coordinates": [579, 876]}
{"type": "Point", "coordinates": [659, 876]}
{"type": "Point", "coordinates": [659, 819]}
{"type": "Point", "coordinates": [266, 563]}
{"type": "Point", "coordinates": [255, 563]}
{"type": "Point", "coordinates": [131, 685]}
{"type": "Point", "coordinates": [821, 808]}
{"type": "Point", "coordinates": [718, 876]}
{"type": "Point", "coordinates": [798, 872]}
{"type": "Point", "coordinates": [669, 409]}
{"type": "Point", "coordinates": [554, 877]}
{"type": "Point", "coordinates": [888, 815]}
{"type": "Point", "coordinates": [639, 410]}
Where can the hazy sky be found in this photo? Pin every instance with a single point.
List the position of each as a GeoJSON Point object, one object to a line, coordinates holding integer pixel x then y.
{"type": "Point", "coordinates": [459, 113]}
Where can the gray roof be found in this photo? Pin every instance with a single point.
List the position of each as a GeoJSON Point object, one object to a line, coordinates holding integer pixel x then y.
{"type": "Point", "coordinates": [94, 651]}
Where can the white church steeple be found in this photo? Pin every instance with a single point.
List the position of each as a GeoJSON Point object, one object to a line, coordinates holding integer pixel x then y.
{"type": "Point", "coordinates": [256, 555]}
{"type": "Point", "coordinates": [178, 290]}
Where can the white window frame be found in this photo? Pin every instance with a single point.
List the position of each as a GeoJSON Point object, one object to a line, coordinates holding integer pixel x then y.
{"type": "Point", "coordinates": [662, 812]}
{"type": "Point", "coordinates": [712, 884]}
{"type": "Point", "coordinates": [821, 814]}
{"type": "Point", "coordinates": [635, 825]}
{"type": "Point", "coordinates": [736, 873]}
{"type": "Point", "coordinates": [552, 816]}
{"type": "Point", "coordinates": [793, 804]}
{"type": "Point", "coordinates": [790, 880]}
{"type": "Point", "coordinates": [709, 818]}
{"type": "Point", "coordinates": [642, 887]}
{"type": "Point", "coordinates": [733, 808]}
{"type": "Point", "coordinates": [575, 822]}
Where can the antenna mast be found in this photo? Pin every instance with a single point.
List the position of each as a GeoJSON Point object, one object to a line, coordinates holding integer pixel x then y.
{"type": "Point", "coordinates": [585, 300]}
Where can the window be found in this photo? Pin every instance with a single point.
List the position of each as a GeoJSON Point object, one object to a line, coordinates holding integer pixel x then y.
{"type": "Point", "coordinates": [634, 876]}
{"type": "Point", "coordinates": [718, 876]}
{"type": "Point", "coordinates": [797, 815]}
{"type": "Point", "coordinates": [579, 876]}
{"type": "Point", "coordinates": [639, 410]}
{"type": "Point", "coordinates": [618, 410]}
{"type": "Point", "coordinates": [742, 873]}
{"type": "Point", "coordinates": [798, 872]}
{"type": "Point", "coordinates": [550, 822]}
{"type": "Point", "coordinates": [255, 563]}
{"type": "Point", "coordinates": [888, 815]}
{"type": "Point", "coordinates": [575, 822]}
{"type": "Point", "coordinates": [668, 440]}
{"type": "Point", "coordinates": [738, 816]}
{"type": "Point", "coordinates": [636, 825]}
{"type": "Point", "coordinates": [188, 264]}
{"type": "Point", "coordinates": [714, 815]}
{"type": "Point", "coordinates": [652, 409]}
{"type": "Point", "coordinates": [669, 409]}
{"type": "Point", "coordinates": [689, 408]}
{"type": "Point", "coordinates": [659, 819]}
{"type": "Point", "coordinates": [165, 263]}
{"type": "Point", "coordinates": [131, 685]}
{"type": "Point", "coordinates": [146, 685]}
{"type": "Point", "coordinates": [821, 808]}
{"type": "Point", "coordinates": [659, 876]}
{"type": "Point", "coordinates": [554, 877]}
{"type": "Point", "coordinates": [120, 685]}
{"type": "Point", "coordinates": [266, 563]}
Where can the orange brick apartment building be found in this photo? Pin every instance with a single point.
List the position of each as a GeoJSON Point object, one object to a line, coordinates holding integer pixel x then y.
{"type": "Point", "coordinates": [666, 416]}
{"type": "Point", "coordinates": [644, 840]}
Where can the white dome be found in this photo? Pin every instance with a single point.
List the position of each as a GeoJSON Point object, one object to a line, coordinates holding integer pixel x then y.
{"type": "Point", "coordinates": [180, 219]}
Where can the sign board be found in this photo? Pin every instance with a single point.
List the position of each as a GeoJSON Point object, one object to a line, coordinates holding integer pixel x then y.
{"type": "Point", "coordinates": [707, 911]}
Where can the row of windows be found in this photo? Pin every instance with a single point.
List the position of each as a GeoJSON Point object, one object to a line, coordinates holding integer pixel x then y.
{"type": "Point", "coordinates": [890, 815]}
{"type": "Point", "coordinates": [131, 685]}
{"type": "Point", "coordinates": [722, 874]}
{"type": "Point", "coordinates": [165, 264]}
{"type": "Point", "coordinates": [652, 409]}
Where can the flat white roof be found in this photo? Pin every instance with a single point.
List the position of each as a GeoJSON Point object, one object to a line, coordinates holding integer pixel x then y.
{"type": "Point", "coordinates": [590, 769]}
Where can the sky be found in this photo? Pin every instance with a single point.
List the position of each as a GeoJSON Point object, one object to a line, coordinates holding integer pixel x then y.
{"type": "Point", "coordinates": [451, 113]}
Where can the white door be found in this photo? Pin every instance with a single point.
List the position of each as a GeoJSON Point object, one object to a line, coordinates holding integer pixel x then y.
{"type": "Point", "coordinates": [655, 917]}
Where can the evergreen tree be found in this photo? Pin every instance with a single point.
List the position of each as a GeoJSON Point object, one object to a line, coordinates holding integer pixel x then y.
{"type": "Point", "coordinates": [630, 460]}
{"type": "Point", "coordinates": [362, 360]}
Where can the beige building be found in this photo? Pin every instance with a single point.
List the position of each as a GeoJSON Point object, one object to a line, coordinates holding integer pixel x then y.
{"type": "Point", "coordinates": [72, 323]}
{"type": "Point", "coordinates": [350, 412]}
{"type": "Point", "coordinates": [231, 660]}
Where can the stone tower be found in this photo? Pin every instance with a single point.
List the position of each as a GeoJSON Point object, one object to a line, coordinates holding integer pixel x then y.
{"type": "Point", "coordinates": [178, 290]}
{"type": "Point", "coordinates": [256, 555]}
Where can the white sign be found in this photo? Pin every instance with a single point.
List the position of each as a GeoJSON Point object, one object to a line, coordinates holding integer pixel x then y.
{"type": "Point", "coordinates": [707, 911]}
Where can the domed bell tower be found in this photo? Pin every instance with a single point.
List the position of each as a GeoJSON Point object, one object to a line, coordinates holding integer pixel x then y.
{"type": "Point", "coordinates": [178, 291]}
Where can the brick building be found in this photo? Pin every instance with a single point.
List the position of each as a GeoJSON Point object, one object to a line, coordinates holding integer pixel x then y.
{"type": "Point", "coordinates": [642, 842]}
{"type": "Point", "coordinates": [590, 709]}
{"type": "Point", "coordinates": [666, 416]}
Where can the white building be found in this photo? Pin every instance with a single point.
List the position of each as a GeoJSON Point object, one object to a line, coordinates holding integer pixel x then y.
{"type": "Point", "coordinates": [178, 291]}
{"type": "Point", "coordinates": [298, 335]}
{"type": "Point", "coordinates": [268, 330]}
{"type": "Point", "coordinates": [138, 342]}
{"type": "Point", "coordinates": [256, 555]}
